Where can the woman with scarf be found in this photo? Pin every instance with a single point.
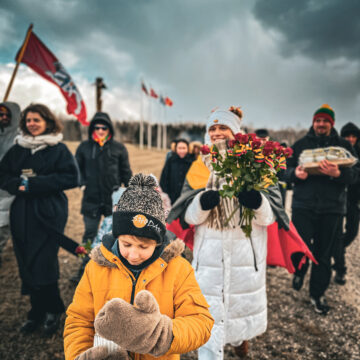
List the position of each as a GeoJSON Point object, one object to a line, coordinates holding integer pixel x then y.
{"type": "Point", "coordinates": [36, 170]}
{"type": "Point", "coordinates": [230, 268]}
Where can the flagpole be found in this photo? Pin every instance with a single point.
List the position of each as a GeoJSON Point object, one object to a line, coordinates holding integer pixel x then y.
{"type": "Point", "coordinates": [159, 126]}
{"type": "Point", "coordinates": [18, 61]}
{"type": "Point", "coordinates": [149, 137]}
{"type": "Point", "coordinates": [164, 131]}
{"type": "Point", "coordinates": [141, 130]}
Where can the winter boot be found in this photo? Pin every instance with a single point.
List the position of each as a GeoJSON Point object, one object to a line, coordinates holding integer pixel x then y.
{"type": "Point", "coordinates": [242, 350]}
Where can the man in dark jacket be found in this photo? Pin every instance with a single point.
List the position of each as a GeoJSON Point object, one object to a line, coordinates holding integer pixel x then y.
{"type": "Point", "coordinates": [319, 203]}
{"type": "Point", "coordinates": [351, 133]}
{"type": "Point", "coordinates": [9, 124]}
{"type": "Point", "coordinates": [104, 167]}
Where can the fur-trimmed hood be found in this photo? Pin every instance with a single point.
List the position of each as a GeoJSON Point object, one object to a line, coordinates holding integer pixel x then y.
{"type": "Point", "coordinates": [175, 248]}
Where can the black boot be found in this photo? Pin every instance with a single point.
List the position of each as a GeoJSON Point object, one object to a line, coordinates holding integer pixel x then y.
{"type": "Point", "coordinates": [340, 278]}
{"type": "Point", "coordinates": [51, 323]}
{"type": "Point", "coordinates": [29, 326]}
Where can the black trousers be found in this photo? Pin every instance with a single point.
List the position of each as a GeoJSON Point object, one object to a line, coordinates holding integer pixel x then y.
{"type": "Point", "coordinates": [91, 228]}
{"type": "Point", "coordinates": [320, 232]}
{"type": "Point", "coordinates": [352, 219]}
{"type": "Point", "coordinates": [45, 299]}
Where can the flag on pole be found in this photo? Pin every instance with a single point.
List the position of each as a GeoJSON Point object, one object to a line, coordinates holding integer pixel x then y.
{"type": "Point", "coordinates": [39, 58]}
{"type": "Point", "coordinates": [144, 89]}
{"type": "Point", "coordinates": [162, 100]}
{"type": "Point", "coordinates": [153, 93]}
{"type": "Point", "coordinates": [168, 102]}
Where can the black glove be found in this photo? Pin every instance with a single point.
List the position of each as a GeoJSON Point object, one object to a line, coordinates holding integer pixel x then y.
{"type": "Point", "coordinates": [209, 199]}
{"type": "Point", "coordinates": [250, 199]}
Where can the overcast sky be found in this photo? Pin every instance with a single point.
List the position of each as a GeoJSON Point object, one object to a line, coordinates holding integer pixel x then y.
{"type": "Point", "coordinates": [277, 59]}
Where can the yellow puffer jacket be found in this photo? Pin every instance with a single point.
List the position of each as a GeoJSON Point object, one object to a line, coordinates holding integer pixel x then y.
{"type": "Point", "coordinates": [170, 279]}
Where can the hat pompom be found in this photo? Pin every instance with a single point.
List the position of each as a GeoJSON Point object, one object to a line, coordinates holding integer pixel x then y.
{"type": "Point", "coordinates": [237, 111]}
{"type": "Point", "coordinates": [141, 180]}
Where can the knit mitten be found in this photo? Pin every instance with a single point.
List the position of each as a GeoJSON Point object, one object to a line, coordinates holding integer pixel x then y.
{"type": "Point", "coordinates": [139, 328]}
{"type": "Point", "coordinates": [209, 199]}
{"type": "Point", "coordinates": [102, 353]}
{"type": "Point", "coordinates": [250, 199]}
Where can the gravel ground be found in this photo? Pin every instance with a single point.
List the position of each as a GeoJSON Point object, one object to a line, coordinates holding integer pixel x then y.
{"type": "Point", "coordinates": [295, 331]}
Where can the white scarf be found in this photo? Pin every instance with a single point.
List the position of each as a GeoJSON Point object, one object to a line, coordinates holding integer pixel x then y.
{"type": "Point", "coordinates": [36, 143]}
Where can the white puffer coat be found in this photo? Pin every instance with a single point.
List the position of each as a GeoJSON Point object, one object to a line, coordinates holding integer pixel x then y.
{"type": "Point", "coordinates": [225, 270]}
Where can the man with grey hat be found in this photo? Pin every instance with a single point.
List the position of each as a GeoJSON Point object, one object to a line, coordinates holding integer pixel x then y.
{"type": "Point", "coordinates": [9, 123]}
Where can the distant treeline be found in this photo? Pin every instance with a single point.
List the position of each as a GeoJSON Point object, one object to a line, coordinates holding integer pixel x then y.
{"type": "Point", "coordinates": [128, 132]}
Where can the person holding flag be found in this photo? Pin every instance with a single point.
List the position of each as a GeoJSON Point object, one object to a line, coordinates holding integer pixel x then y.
{"type": "Point", "coordinates": [36, 170]}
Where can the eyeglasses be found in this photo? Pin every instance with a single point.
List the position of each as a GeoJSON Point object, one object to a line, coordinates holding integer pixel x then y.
{"type": "Point", "coordinates": [97, 127]}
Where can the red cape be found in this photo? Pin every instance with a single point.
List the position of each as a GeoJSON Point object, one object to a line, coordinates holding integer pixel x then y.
{"type": "Point", "coordinates": [281, 243]}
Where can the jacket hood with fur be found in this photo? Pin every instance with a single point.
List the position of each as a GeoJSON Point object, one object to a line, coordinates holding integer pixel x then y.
{"type": "Point", "coordinates": [174, 249]}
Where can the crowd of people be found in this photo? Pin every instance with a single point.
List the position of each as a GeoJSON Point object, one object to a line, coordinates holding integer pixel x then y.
{"type": "Point", "coordinates": [136, 293]}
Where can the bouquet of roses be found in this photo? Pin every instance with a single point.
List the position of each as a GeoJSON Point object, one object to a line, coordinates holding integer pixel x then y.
{"type": "Point", "coordinates": [247, 164]}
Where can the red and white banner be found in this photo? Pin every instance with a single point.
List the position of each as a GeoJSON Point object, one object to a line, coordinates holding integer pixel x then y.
{"type": "Point", "coordinates": [39, 58]}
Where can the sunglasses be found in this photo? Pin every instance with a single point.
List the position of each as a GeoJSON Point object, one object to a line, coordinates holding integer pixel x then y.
{"type": "Point", "coordinates": [97, 127]}
{"type": "Point", "coordinates": [2, 114]}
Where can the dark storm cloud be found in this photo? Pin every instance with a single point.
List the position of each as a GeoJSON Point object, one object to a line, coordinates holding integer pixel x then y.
{"type": "Point", "coordinates": [156, 32]}
{"type": "Point", "coordinates": [320, 29]}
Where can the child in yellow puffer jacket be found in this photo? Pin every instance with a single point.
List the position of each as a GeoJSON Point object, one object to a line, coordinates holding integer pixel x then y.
{"type": "Point", "coordinates": [138, 297]}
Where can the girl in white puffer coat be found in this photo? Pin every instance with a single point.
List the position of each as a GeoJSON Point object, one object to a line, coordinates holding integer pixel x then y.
{"type": "Point", "coordinates": [229, 267]}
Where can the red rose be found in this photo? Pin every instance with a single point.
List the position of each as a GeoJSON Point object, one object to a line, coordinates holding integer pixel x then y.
{"type": "Point", "coordinates": [256, 144]}
{"type": "Point", "coordinates": [232, 143]}
{"type": "Point", "coordinates": [80, 250]}
{"type": "Point", "coordinates": [244, 139]}
{"type": "Point", "coordinates": [288, 152]}
{"type": "Point", "coordinates": [238, 136]}
{"type": "Point", "coordinates": [267, 151]}
{"type": "Point", "coordinates": [252, 136]}
{"type": "Point", "coordinates": [205, 150]}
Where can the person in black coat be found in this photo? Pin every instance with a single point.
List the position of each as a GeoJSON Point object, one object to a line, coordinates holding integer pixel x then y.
{"type": "Point", "coordinates": [104, 167]}
{"type": "Point", "coordinates": [36, 170]}
{"type": "Point", "coordinates": [175, 169]}
{"type": "Point", "coordinates": [319, 204]}
{"type": "Point", "coordinates": [351, 133]}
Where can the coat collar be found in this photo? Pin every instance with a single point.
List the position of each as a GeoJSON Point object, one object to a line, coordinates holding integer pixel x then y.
{"type": "Point", "coordinates": [104, 257]}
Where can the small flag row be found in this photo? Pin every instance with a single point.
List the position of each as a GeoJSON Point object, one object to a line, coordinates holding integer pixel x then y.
{"type": "Point", "coordinates": [166, 101]}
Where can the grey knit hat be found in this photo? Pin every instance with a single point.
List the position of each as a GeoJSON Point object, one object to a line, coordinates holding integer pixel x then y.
{"type": "Point", "coordinates": [140, 210]}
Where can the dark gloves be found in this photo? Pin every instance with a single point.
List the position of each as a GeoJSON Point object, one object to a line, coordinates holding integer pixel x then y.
{"type": "Point", "coordinates": [209, 199]}
{"type": "Point", "coordinates": [250, 199]}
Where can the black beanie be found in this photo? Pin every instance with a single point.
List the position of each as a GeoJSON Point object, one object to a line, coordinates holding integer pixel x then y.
{"type": "Point", "coordinates": [140, 211]}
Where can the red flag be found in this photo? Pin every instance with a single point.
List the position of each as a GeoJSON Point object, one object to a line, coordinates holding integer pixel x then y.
{"type": "Point", "coordinates": [39, 58]}
{"type": "Point", "coordinates": [144, 89]}
{"type": "Point", "coordinates": [153, 93]}
{"type": "Point", "coordinates": [168, 102]}
{"type": "Point", "coordinates": [282, 244]}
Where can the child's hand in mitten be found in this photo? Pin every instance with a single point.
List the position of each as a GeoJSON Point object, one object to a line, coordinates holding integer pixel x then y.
{"type": "Point", "coordinates": [141, 328]}
{"type": "Point", "coordinates": [102, 353]}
